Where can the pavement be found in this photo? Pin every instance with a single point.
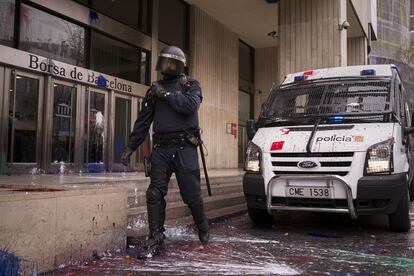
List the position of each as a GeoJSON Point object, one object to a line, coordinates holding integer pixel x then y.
{"type": "Point", "coordinates": [294, 244]}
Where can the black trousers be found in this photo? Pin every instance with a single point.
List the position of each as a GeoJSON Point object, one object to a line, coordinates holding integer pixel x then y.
{"type": "Point", "coordinates": [183, 161]}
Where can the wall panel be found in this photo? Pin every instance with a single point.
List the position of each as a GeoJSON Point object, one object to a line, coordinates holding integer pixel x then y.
{"type": "Point", "coordinates": [309, 36]}
{"type": "Point", "coordinates": [214, 51]}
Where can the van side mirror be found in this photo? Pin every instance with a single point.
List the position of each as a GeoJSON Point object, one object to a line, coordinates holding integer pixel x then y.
{"type": "Point", "coordinates": [251, 129]}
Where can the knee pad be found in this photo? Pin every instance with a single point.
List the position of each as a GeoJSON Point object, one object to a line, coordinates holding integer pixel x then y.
{"type": "Point", "coordinates": [159, 172]}
{"type": "Point", "coordinates": [154, 195]}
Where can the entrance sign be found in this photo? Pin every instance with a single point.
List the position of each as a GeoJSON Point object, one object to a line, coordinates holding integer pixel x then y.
{"type": "Point", "coordinates": [56, 68]}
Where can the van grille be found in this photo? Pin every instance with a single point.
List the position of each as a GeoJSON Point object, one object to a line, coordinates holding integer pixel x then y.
{"type": "Point", "coordinates": [340, 173]}
{"type": "Point", "coordinates": [313, 154]}
{"type": "Point", "coordinates": [334, 163]}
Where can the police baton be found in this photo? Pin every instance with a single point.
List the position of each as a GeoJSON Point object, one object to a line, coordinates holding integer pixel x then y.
{"type": "Point", "coordinates": [204, 167]}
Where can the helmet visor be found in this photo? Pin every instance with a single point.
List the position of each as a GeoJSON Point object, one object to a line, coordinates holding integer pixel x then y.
{"type": "Point", "coordinates": [169, 65]}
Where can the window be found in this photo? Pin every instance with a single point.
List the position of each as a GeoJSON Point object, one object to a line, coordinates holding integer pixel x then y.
{"type": "Point", "coordinates": [173, 23]}
{"type": "Point", "coordinates": [119, 59]}
{"type": "Point", "coordinates": [246, 82]}
{"type": "Point", "coordinates": [47, 35]}
{"type": "Point", "coordinates": [7, 22]}
{"type": "Point", "coordinates": [246, 62]}
{"type": "Point", "coordinates": [245, 104]}
{"type": "Point", "coordinates": [133, 13]}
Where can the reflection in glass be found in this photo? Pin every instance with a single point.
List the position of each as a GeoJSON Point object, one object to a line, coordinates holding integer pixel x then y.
{"type": "Point", "coordinates": [95, 130]}
{"type": "Point", "coordinates": [144, 70]}
{"type": "Point", "coordinates": [64, 118]}
{"type": "Point", "coordinates": [244, 107]}
{"type": "Point", "coordinates": [6, 22]}
{"type": "Point", "coordinates": [126, 11]}
{"type": "Point", "coordinates": [23, 121]}
{"type": "Point", "coordinates": [122, 126]}
{"type": "Point", "coordinates": [114, 58]}
{"type": "Point", "coordinates": [47, 35]}
{"type": "Point", "coordinates": [241, 144]}
{"type": "Point", "coordinates": [144, 149]}
{"type": "Point", "coordinates": [134, 13]}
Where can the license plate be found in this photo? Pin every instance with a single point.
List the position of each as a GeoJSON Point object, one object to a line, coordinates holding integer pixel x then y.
{"type": "Point", "coordinates": [308, 192]}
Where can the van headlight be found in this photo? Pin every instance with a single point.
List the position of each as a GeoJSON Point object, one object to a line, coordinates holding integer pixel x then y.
{"type": "Point", "coordinates": [379, 158]}
{"type": "Point", "coordinates": [253, 158]}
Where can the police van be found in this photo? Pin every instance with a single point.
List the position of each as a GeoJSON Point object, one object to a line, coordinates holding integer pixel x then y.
{"type": "Point", "coordinates": [334, 140]}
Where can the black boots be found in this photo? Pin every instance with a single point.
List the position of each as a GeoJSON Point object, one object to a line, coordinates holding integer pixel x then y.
{"type": "Point", "coordinates": [156, 217]}
{"type": "Point", "coordinates": [152, 247]}
{"type": "Point", "coordinates": [200, 220]}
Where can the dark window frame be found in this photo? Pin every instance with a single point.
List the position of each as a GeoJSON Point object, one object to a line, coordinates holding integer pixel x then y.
{"type": "Point", "coordinates": [89, 5]}
{"type": "Point", "coordinates": [53, 13]}
{"type": "Point", "coordinates": [251, 89]}
{"type": "Point", "coordinates": [140, 49]}
{"type": "Point", "coordinates": [252, 59]}
{"type": "Point", "coordinates": [186, 41]}
{"type": "Point", "coordinates": [88, 36]}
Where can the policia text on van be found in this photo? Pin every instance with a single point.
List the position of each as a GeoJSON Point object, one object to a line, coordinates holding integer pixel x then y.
{"type": "Point", "coordinates": [333, 140]}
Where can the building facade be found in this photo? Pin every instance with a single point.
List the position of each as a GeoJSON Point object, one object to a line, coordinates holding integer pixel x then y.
{"type": "Point", "coordinates": [73, 73]}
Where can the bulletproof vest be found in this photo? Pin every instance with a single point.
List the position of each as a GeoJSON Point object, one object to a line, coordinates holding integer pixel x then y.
{"type": "Point", "coordinates": [166, 119]}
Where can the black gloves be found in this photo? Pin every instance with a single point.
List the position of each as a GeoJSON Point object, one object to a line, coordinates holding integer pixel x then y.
{"type": "Point", "coordinates": [158, 91]}
{"type": "Point", "coordinates": [125, 156]}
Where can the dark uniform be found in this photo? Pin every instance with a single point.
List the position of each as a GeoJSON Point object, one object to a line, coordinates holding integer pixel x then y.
{"type": "Point", "coordinates": [172, 105]}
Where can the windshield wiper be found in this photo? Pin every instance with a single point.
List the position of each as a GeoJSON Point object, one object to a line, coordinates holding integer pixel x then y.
{"type": "Point", "coordinates": [283, 122]}
{"type": "Point", "coordinates": [312, 136]}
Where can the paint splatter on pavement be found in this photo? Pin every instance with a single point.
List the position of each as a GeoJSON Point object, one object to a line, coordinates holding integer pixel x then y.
{"type": "Point", "coordinates": [295, 244]}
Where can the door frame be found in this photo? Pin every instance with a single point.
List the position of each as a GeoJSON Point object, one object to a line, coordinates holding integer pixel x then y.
{"type": "Point", "coordinates": [111, 138]}
{"type": "Point", "coordinates": [10, 75]}
{"type": "Point", "coordinates": [83, 137]}
{"type": "Point", "coordinates": [49, 102]}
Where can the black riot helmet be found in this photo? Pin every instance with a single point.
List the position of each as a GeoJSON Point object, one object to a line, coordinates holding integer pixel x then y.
{"type": "Point", "coordinates": [171, 61]}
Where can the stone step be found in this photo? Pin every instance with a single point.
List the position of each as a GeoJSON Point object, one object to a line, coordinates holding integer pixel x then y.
{"type": "Point", "coordinates": [212, 215]}
{"type": "Point", "coordinates": [142, 184]}
{"type": "Point", "coordinates": [138, 198]}
{"type": "Point", "coordinates": [175, 210]}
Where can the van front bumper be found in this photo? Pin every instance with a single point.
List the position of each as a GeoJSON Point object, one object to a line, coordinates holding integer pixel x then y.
{"type": "Point", "coordinates": [375, 195]}
{"type": "Point", "coordinates": [380, 195]}
{"type": "Point", "coordinates": [254, 191]}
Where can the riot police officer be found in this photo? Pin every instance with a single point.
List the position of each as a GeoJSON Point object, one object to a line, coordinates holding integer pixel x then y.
{"type": "Point", "coordinates": [171, 104]}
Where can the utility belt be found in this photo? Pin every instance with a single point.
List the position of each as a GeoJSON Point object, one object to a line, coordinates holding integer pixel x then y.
{"type": "Point", "coordinates": [177, 139]}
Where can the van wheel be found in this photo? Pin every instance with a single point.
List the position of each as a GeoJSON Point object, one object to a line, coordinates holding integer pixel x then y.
{"type": "Point", "coordinates": [399, 221]}
{"type": "Point", "coordinates": [259, 215]}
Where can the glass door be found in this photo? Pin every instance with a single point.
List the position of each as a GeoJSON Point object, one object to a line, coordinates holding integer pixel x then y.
{"type": "Point", "coordinates": [245, 113]}
{"type": "Point", "coordinates": [121, 129]}
{"type": "Point", "coordinates": [25, 100]}
{"type": "Point", "coordinates": [63, 126]}
{"type": "Point", "coordinates": [95, 130]}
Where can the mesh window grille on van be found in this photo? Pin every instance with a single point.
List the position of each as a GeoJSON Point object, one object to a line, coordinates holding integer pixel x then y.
{"type": "Point", "coordinates": [330, 99]}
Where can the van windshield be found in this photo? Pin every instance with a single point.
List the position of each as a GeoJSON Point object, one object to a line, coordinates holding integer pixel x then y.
{"type": "Point", "coordinates": [337, 102]}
